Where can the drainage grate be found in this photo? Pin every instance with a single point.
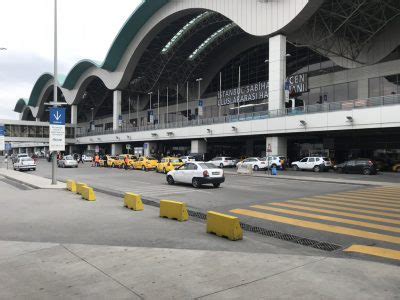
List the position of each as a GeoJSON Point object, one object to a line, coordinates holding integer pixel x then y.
{"type": "Point", "coordinates": [197, 214]}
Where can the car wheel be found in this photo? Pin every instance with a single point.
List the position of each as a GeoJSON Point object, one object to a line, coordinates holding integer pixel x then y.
{"type": "Point", "coordinates": [367, 171]}
{"type": "Point", "coordinates": [165, 171]}
{"type": "Point", "coordinates": [317, 169]}
{"type": "Point", "coordinates": [221, 165]}
{"type": "Point", "coordinates": [170, 180]}
{"type": "Point", "coordinates": [295, 168]}
{"type": "Point", "coordinates": [256, 168]}
{"type": "Point", "coordinates": [216, 185]}
{"type": "Point", "coordinates": [196, 183]}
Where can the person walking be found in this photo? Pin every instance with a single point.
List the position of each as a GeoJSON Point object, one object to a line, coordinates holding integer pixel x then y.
{"type": "Point", "coordinates": [126, 162]}
{"type": "Point", "coordinates": [97, 160]}
{"type": "Point", "coordinates": [80, 159]}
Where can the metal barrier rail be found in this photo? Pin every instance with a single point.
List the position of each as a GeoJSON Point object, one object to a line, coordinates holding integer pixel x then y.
{"type": "Point", "coordinates": [308, 109]}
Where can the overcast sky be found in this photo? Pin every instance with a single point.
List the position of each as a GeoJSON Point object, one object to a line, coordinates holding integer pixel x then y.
{"type": "Point", "coordinates": [87, 29]}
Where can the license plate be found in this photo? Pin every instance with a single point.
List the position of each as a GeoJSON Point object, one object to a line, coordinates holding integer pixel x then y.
{"type": "Point", "coordinates": [215, 173]}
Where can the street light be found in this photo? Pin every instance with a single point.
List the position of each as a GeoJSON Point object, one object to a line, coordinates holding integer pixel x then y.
{"type": "Point", "coordinates": [54, 158]}
{"type": "Point", "coordinates": [198, 113]}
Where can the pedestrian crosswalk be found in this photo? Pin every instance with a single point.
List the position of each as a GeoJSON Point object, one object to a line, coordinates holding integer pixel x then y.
{"type": "Point", "coordinates": [369, 214]}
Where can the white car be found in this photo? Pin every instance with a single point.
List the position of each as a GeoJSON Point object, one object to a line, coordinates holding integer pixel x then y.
{"type": "Point", "coordinates": [25, 163]}
{"type": "Point", "coordinates": [197, 173]}
{"type": "Point", "coordinates": [316, 163]}
{"type": "Point", "coordinates": [223, 162]}
{"type": "Point", "coordinates": [256, 163]}
{"type": "Point", "coordinates": [67, 162]}
{"type": "Point", "coordinates": [87, 158]}
{"type": "Point", "coordinates": [275, 161]}
{"type": "Point", "coordinates": [186, 159]}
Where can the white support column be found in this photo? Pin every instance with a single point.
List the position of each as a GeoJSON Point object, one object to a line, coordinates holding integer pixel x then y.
{"type": "Point", "coordinates": [277, 144]}
{"type": "Point", "coordinates": [198, 146]}
{"type": "Point", "coordinates": [149, 148]}
{"type": "Point", "coordinates": [117, 100]}
{"type": "Point", "coordinates": [37, 119]}
{"type": "Point", "coordinates": [74, 114]}
{"type": "Point", "coordinates": [277, 72]}
{"type": "Point", "coordinates": [116, 149]}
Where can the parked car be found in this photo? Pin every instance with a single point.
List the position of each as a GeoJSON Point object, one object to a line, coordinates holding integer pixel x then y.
{"type": "Point", "coordinates": [223, 161]}
{"type": "Point", "coordinates": [87, 158]}
{"type": "Point", "coordinates": [197, 174]}
{"type": "Point", "coordinates": [316, 164]}
{"type": "Point", "coordinates": [357, 166]}
{"type": "Point", "coordinates": [276, 161]}
{"type": "Point", "coordinates": [168, 164]}
{"type": "Point", "coordinates": [16, 157]}
{"type": "Point", "coordinates": [24, 163]}
{"type": "Point", "coordinates": [145, 163]}
{"type": "Point", "coordinates": [396, 168]}
{"type": "Point", "coordinates": [186, 159]}
{"type": "Point", "coordinates": [256, 163]}
{"type": "Point", "coordinates": [67, 162]}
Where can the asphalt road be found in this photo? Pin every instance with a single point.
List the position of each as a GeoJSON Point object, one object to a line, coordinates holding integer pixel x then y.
{"type": "Point", "coordinates": [309, 216]}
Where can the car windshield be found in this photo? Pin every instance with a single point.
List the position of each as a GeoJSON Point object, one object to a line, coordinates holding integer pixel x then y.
{"type": "Point", "coordinates": [176, 160]}
{"type": "Point", "coordinates": [206, 166]}
{"type": "Point", "coordinates": [68, 157]}
{"type": "Point", "coordinates": [262, 159]}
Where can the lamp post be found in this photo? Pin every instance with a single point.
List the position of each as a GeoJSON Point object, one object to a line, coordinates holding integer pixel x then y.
{"type": "Point", "coordinates": [54, 157]}
{"type": "Point", "coordinates": [150, 94]}
{"type": "Point", "coordinates": [198, 115]}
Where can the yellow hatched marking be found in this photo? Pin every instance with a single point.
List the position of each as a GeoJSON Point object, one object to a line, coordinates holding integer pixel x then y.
{"type": "Point", "coordinates": [346, 208]}
{"type": "Point", "coordinates": [366, 198]}
{"type": "Point", "coordinates": [375, 251]}
{"type": "Point", "coordinates": [328, 218]}
{"type": "Point", "coordinates": [393, 196]}
{"type": "Point", "coordinates": [352, 200]}
{"type": "Point", "coordinates": [316, 199]}
{"type": "Point", "coordinates": [319, 226]}
{"type": "Point", "coordinates": [338, 213]}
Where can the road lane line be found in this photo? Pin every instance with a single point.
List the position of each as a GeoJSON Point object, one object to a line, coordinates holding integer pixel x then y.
{"type": "Point", "coordinates": [328, 218]}
{"type": "Point", "coordinates": [352, 200]}
{"type": "Point", "coordinates": [316, 199]}
{"type": "Point", "coordinates": [375, 251]}
{"type": "Point", "coordinates": [337, 213]}
{"type": "Point", "coordinates": [319, 226]}
{"type": "Point", "coordinates": [346, 208]}
{"type": "Point", "coordinates": [377, 195]}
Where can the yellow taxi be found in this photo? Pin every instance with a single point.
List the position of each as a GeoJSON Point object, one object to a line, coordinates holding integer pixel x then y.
{"type": "Point", "coordinates": [145, 163]}
{"type": "Point", "coordinates": [111, 161]}
{"type": "Point", "coordinates": [168, 164]}
{"type": "Point", "coordinates": [106, 161]}
{"type": "Point", "coordinates": [131, 160]}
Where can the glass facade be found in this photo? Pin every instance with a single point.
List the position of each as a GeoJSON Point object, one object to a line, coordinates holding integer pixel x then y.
{"type": "Point", "coordinates": [384, 85]}
{"type": "Point", "coordinates": [331, 93]}
{"type": "Point", "coordinates": [34, 131]}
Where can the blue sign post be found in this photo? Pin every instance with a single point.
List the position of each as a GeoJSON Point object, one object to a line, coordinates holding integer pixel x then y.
{"type": "Point", "coordinates": [57, 129]}
{"type": "Point", "coordinates": [2, 134]}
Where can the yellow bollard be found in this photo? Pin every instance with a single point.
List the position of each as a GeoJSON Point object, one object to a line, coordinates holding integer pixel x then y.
{"type": "Point", "coordinates": [224, 226]}
{"type": "Point", "coordinates": [173, 210]}
{"type": "Point", "coordinates": [79, 186]}
{"type": "Point", "coordinates": [133, 201]}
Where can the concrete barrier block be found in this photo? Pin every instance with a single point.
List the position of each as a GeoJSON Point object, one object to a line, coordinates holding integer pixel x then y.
{"type": "Point", "coordinates": [79, 186]}
{"type": "Point", "coordinates": [133, 201]}
{"type": "Point", "coordinates": [173, 210]}
{"type": "Point", "coordinates": [88, 193]}
{"type": "Point", "coordinates": [71, 186]}
{"type": "Point", "coordinates": [224, 226]}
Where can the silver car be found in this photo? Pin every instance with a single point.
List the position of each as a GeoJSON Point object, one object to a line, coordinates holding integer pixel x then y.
{"type": "Point", "coordinates": [24, 163]}
{"type": "Point", "coordinates": [67, 162]}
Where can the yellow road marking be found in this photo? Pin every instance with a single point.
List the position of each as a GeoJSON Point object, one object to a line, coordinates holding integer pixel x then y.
{"type": "Point", "coordinates": [316, 199]}
{"type": "Point", "coordinates": [366, 198]}
{"type": "Point", "coordinates": [395, 196]}
{"type": "Point", "coordinates": [338, 213]}
{"type": "Point", "coordinates": [346, 208]}
{"type": "Point", "coordinates": [375, 251]}
{"type": "Point", "coordinates": [328, 218]}
{"type": "Point", "coordinates": [319, 226]}
{"type": "Point", "coordinates": [352, 200]}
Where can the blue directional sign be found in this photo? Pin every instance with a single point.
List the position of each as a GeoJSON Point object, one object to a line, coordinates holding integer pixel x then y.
{"type": "Point", "coordinates": [8, 147]}
{"type": "Point", "coordinates": [2, 130]}
{"type": "Point", "coordinates": [57, 116]}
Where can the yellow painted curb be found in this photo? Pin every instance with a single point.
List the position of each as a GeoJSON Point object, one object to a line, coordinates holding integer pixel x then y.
{"type": "Point", "coordinates": [133, 201]}
{"type": "Point", "coordinates": [173, 210]}
{"type": "Point", "coordinates": [224, 226]}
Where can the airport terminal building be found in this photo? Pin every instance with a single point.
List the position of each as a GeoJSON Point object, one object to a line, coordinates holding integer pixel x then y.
{"type": "Point", "coordinates": [236, 78]}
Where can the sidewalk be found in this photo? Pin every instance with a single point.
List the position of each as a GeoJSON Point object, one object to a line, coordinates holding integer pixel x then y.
{"type": "Point", "coordinates": [317, 179]}
{"type": "Point", "coordinates": [33, 181]}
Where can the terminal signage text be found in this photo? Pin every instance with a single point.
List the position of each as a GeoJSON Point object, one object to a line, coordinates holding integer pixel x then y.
{"type": "Point", "coordinates": [296, 84]}
{"type": "Point", "coordinates": [2, 133]}
{"type": "Point", "coordinates": [57, 129]}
